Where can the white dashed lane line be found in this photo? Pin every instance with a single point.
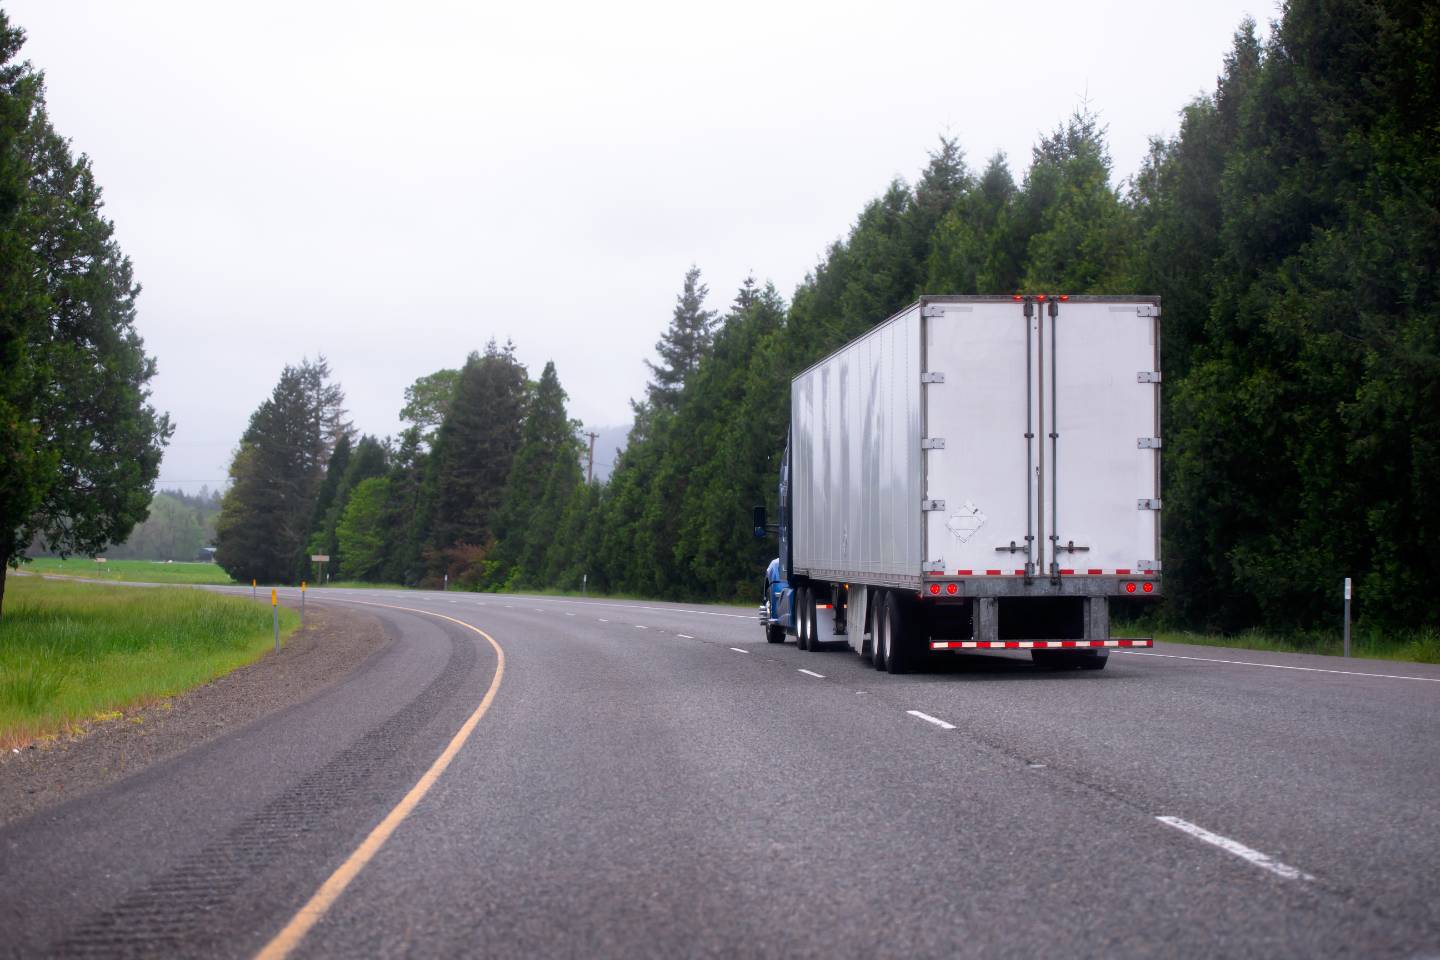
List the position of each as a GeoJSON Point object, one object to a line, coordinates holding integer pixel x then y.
{"type": "Point", "coordinates": [929, 719]}
{"type": "Point", "coordinates": [1262, 860]}
{"type": "Point", "coordinates": [812, 673]}
{"type": "Point", "coordinates": [736, 649]}
{"type": "Point", "coordinates": [641, 627]}
{"type": "Point", "coordinates": [686, 636]}
{"type": "Point", "coordinates": [603, 620]}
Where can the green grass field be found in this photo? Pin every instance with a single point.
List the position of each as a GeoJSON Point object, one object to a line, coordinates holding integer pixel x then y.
{"type": "Point", "coordinates": [74, 652]}
{"type": "Point", "coordinates": [134, 571]}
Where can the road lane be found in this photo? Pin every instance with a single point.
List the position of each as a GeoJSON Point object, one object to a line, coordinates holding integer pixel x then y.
{"type": "Point", "coordinates": [651, 792]}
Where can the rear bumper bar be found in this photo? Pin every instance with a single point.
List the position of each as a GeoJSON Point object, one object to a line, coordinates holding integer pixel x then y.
{"type": "Point", "coordinates": [1037, 644]}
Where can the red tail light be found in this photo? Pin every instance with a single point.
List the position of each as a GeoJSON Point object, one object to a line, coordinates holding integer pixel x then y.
{"type": "Point", "coordinates": [934, 589]}
{"type": "Point", "coordinates": [951, 589]}
{"type": "Point", "coordinates": [1129, 588]}
{"type": "Point", "coordinates": [1148, 588]}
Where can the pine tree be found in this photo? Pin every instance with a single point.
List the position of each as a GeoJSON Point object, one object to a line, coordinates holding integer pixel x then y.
{"type": "Point", "coordinates": [473, 454]}
{"type": "Point", "coordinates": [683, 345]}
{"type": "Point", "coordinates": [527, 514]}
{"type": "Point", "coordinates": [80, 444]}
{"type": "Point", "coordinates": [264, 522]}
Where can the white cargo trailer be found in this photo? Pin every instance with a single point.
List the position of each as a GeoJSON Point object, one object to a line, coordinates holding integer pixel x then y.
{"type": "Point", "coordinates": [974, 473]}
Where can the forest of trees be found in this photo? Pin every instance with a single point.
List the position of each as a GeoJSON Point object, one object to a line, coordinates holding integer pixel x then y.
{"type": "Point", "coordinates": [1292, 228]}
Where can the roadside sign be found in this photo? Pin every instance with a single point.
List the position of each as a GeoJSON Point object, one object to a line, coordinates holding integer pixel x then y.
{"type": "Point", "coordinates": [320, 557]}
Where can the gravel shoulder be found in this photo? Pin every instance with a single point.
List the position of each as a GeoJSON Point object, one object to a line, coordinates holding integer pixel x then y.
{"type": "Point", "coordinates": [333, 643]}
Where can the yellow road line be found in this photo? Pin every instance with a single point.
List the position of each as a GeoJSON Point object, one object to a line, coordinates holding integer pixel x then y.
{"type": "Point", "coordinates": [289, 938]}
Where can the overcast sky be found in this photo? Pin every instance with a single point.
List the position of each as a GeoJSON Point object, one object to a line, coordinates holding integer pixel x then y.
{"type": "Point", "coordinates": [392, 185]}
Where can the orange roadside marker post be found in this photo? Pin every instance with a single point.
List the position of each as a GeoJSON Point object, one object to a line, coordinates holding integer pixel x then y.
{"type": "Point", "coordinates": [275, 615]}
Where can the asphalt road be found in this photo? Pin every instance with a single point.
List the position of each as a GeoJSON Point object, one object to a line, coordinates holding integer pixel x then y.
{"type": "Point", "coordinates": [655, 780]}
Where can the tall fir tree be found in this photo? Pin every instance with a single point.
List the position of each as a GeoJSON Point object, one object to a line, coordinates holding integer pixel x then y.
{"type": "Point", "coordinates": [264, 523]}
{"type": "Point", "coordinates": [683, 345]}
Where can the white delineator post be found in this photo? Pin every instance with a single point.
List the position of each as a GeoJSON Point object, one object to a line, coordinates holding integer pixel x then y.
{"type": "Point", "coordinates": [1347, 616]}
{"type": "Point", "coordinates": [275, 616]}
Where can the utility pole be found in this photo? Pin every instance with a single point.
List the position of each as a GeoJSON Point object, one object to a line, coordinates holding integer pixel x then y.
{"type": "Point", "coordinates": [590, 464]}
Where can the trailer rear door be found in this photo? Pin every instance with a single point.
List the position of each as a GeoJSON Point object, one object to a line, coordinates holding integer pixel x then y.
{"type": "Point", "coordinates": [1041, 436]}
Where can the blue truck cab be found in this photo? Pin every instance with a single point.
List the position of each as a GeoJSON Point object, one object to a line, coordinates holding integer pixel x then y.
{"type": "Point", "coordinates": [777, 604]}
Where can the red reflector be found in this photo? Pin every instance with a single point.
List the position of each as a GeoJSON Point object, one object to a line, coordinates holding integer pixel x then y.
{"type": "Point", "coordinates": [935, 589]}
{"type": "Point", "coordinates": [1149, 588]}
{"type": "Point", "coordinates": [1095, 570]}
{"type": "Point", "coordinates": [1019, 573]}
{"type": "Point", "coordinates": [951, 589]}
{"type": "Point", "coordinates": [1017, 298]}
{"type": "Point", "coordinates": [1129, 588]}
{"type": "Point", "coordinates": [1065, 572]}
{"type": "Point", "coordinates": [1040, 297]}
{"type": "Point", "coordinates": [992, 573]}
{"type": "Point", "coordinates": [1064, 296]}
{"type": "Point", "coordinates": [1123, 573]}
{"type": "Point", "coordinates": [963, 573]}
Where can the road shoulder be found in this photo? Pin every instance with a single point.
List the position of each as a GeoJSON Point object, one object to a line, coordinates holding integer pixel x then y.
{"type": "Point", "coordinates": [331, 646]}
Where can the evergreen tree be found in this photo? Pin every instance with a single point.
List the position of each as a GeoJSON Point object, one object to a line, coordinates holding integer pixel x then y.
{"type": "Point", "coordinates": [80, 444]}
{"type": "Point", "coordinates": [527, 514]}
{"type": "Point", "coordinates": [276, 475]}
{"type": "Point", "coordinates": [401, 521]}
{"type": "Point", "coordinates": [683, 345]}
{"type": "Point", "coordinates": [473, 454]}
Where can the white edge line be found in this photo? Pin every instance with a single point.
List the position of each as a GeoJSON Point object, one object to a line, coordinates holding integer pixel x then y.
{"type": "Point", "coordinates": [1280, 666]}
{"type": "Point", "coordinates": [738, 650]}
{"type": "Point", "coordinates": [639, 626]}
{"type": "Point", "coordinates": [812, 673]}
{"type": "Point", "coordinates": [688, 637]}
{"type": "Point", "coordinates": [929, 719]}
{"type": "Point", "coordinates": [1261, 860]}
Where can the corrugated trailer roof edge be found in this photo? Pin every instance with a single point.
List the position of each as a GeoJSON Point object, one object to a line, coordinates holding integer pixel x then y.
{"type": "Point", "coordinates": [971, 298]}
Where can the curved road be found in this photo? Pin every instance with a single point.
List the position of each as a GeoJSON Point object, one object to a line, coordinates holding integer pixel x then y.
{"type": "Point", "coordinates": [655, 780]}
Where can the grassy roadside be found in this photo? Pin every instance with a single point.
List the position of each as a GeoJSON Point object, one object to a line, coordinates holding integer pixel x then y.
{"type": "Point", "coordinates": [1421, 646]}
{"type": "Point", "coordinates": [71, 653]}
{"type": "Point", "coordinates": [134, 571]}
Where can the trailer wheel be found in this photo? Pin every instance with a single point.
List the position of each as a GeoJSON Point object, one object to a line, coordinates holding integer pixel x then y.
{"type": "Point", "coordinates": [802, 618]}
{"type": "Point", "coordinates": [897, 639]}
{"type": "Point", "coordinates": [880, 635]}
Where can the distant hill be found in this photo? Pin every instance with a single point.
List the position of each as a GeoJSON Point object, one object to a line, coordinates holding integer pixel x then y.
{"type": "Point", "coordinates": [608, 444]}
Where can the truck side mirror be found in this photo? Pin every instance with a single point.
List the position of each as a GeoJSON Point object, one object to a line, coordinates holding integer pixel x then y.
{"type": "Point", "coordinates": [758, 521]}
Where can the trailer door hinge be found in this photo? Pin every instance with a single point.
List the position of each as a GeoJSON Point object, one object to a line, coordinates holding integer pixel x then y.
{"type": "Point", "coordinates": [1148, 504]}
{"type": "Point", "coordinates": [1148, 310]}
{"type": "Point", "coordinates": [932, 443]}
{"type": "Point", "coordinates": [932, 378]}
{"type": "Point", "coordinates": [1148, 376]}
{"type": "Point", "coordinates": [932, 311]}
{"type": "Point", "coordinates": [933, 566]}
{"type": "Point", "coordinates": [927, 506]}
{"type": "Point", "coordinates": [1148, 443]}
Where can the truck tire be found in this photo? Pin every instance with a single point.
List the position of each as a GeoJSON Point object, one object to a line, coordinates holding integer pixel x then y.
{"type": "Point", "coordinates": [879, 636]}
{"type": "Point", "coordinates": [897, 635]}
{"type": "Point", "coordinates": [774, 633]}
{"type": "Point", "coordinates": [802, 618]}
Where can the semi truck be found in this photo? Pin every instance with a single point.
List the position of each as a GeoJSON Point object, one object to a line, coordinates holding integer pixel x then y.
{"type": "Point", "coordinates": [975, 473]}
